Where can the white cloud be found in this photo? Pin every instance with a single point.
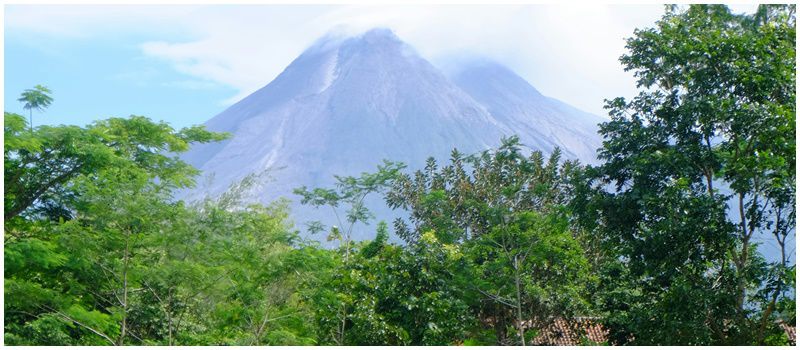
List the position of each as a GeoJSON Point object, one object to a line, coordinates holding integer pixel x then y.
{"type": "Point", "coordinates": [569, 52]}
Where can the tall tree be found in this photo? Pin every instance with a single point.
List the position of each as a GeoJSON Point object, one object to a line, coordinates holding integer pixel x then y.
{"type": "Point", "coordinates": [507, 212]}
{"type": "Point", "coordinates": [399, 295]}
{"type": "Point", "coordinates": [68, 190]}
{"type": "Point", "coordinates": [37, 98]}
{"type": "Point", "coordinates": [703, 163]}
{"type": "Point", "coordinates": [349, 195]}
{"type": "Point", "coordinates": [39, 166]}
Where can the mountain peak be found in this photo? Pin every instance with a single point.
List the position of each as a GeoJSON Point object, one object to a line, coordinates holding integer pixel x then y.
{"type": "Point", "coordinates": [379, 34]}
{"type": "Point", "coordinates": [339, 37]}
{"type": "Point", "coordinates": [350, 101]}
{"type": "Point", "coordinates": [381, 40]}
{"type": "Point", "coordinates": [484, 69]}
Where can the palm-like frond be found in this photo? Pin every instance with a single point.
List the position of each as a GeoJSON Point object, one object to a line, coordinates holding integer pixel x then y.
{"type": "Point", "coordinates": [37, 98]}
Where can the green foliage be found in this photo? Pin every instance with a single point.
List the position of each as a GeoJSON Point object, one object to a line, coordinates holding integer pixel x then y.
{"type": "Point", "coordinates": [349, 196]}
{"type": "Point", "coordinates": [37, 98]}
{"type": "Point", "coordinates": [458, 205]}
{"type": "Point", "coordinates": [397, 296]}
{"type": "Point", "coordinates": [40, 166]}
{"type": "Point", "coordinates": [702, 161]}
{"type": "Point", "coordinates": [507, 213]}
{"type": "Point", "coordinates": [97, 253]}
{"type": "Point", "coordinates": [659, 241]}
{"type": "Point", "coordinates": [144, 270]}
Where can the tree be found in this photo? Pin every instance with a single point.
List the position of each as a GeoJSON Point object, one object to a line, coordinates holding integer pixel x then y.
{"type": "Point", "coordinates": [350, 191]}
{"type": "Point", "coordinates": [508, 217]}
{"type": "Point", "coordinates": [39, 166]}
{"type": "Point", "coordinates": [119, 213]}
{"type": "Point", "coordinates": [399, 295]}
{"type": "Point", "coordinates": [78, 204]}
{"type": "Point", "coordinates": [701, 162]}
{"type": "Point", "coordinates": [37, 98]}
{"type": "Point", "coordinates": [258, 268]}
{"type": "Point", "coordinates": [534, 268]}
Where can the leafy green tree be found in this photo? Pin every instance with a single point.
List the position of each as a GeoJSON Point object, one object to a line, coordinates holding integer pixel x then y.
{"type": "Point", "coordinates": [120, 212]}
{"type": "Point", "coordinates": [37, 98]}
{"type": "Point", "coordinates": [349, 195]}
{"type": "Point", "coordinates": [39, 167]}
{"type": "Point", "coordinates": [399, 295]}
{"type": "Point", "coordinates": [71, 189]}
{"type": "Point", "coordinates": [222, 272]}
{"type": "Point", "coordinates": [701, 162]}
{"type": "Point", "coordinates": [508, 215]}
{"type": "Point", "coordinates": [134, 267]}
{"type": "Point", "coordinates": [533, 267]}
{"type": "Point", "coordinates": [98, 253]}
{"type": "Point", "coordinates": [256, 299]}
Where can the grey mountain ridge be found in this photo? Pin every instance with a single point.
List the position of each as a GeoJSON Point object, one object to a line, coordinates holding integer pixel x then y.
{"type": "Point", "coordinates": [345, 104]}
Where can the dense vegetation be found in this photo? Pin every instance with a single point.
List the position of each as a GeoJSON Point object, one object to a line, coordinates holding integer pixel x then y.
{"type": "Point", "coordinates": [658, 243]}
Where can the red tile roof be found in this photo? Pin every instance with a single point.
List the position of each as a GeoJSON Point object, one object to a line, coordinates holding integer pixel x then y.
{"type": "Point", "coordinates": [578, 331]}
{"type": "Point", "coordinates": [589, 331]}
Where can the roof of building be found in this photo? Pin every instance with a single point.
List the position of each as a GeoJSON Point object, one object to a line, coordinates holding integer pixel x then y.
{"type": "Point", "coordinates": [578, 331]}
{"type": "Point", "coordinates": [588, 331]}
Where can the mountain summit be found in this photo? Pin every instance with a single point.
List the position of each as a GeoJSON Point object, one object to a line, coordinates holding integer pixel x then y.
{"type": "Point", "coordinates": [542, 122]}
{"type": "Point", "coordinates": [344, 105]}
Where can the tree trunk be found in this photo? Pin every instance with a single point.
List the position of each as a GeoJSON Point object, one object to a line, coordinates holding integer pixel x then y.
{"type": "Point", "coordinates": [124, 325]}
{"type": "Point", "coordinates": [742, 261]}
{"type": "Point", "coordinates": [169, 317]}
{"type": "Point", "coordinates": [520, 321]}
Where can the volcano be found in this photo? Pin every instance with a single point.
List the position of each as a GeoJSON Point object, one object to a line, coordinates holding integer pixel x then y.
{"type": "Point", "coordinates": [346, 104]}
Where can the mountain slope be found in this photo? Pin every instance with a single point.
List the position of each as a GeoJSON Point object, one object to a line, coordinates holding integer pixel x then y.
{"type": "Point", "coordinates": [346, 104]}
{"type": "Point", "coordinates": [543, 123]}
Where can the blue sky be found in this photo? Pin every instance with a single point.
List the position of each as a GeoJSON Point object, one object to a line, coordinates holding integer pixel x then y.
{"type": "Point", "coordinates": [184, 64]}
{"type": "Point", "coordinates": [96, 79]}
{"type": "Point", "coordinates": [98, 76]}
